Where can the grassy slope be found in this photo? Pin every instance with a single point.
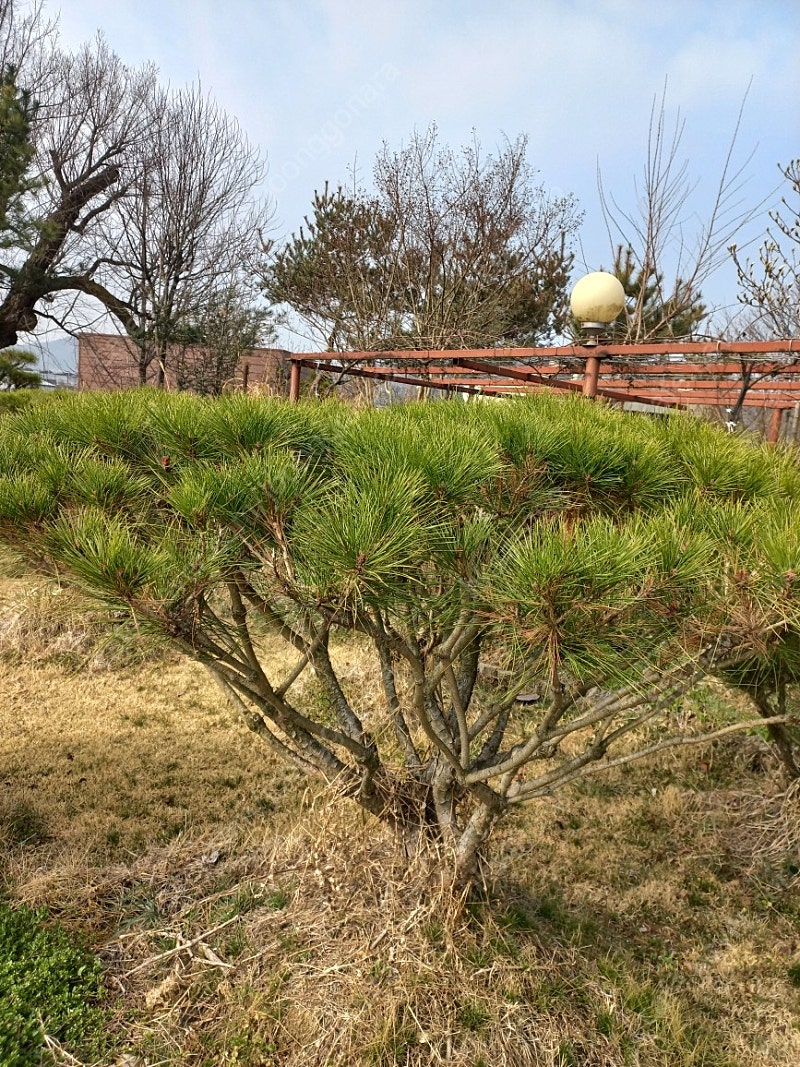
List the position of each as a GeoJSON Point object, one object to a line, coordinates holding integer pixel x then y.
{"type": "Point", "coordinates": [650, 919]}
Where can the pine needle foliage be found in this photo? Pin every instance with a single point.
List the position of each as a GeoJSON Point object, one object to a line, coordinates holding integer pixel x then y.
{"type": "Point", "coordinates": [539, 580]}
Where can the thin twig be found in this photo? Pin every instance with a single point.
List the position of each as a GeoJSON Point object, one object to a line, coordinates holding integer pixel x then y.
{"type": "Point", "coordinates": [522, 794]}
{"type": "Point", "coordinates": [182, 947]}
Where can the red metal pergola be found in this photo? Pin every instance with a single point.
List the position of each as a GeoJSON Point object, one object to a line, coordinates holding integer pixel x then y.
{"type": "Point", "coordinates": [717, 374]}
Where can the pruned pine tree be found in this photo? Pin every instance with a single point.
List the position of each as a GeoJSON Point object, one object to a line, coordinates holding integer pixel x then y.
{"type": "Point", "coordinates": [17, 113]}
{"type": "Point", "coordinates": [537, 581]}
{"type": "Point", "coordinates": [208, 348]}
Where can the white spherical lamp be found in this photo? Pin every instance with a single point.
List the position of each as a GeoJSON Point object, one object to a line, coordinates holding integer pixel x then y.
{"type": "Point", "coordinates": [597, 299]}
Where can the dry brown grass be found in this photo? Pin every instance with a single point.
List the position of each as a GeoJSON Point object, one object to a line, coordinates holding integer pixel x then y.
{"type": "Point", "coordinates": [649, 918]}
{"type": "Point", "coordinates": [102, 755]}
{"type": "Point", "coordinates": [44, 622]}
{"type": "Point", "coordinates": [766, 836]}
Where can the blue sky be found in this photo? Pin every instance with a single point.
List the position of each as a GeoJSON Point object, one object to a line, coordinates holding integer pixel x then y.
{"type": "Point", "coordinates": [319, 84]}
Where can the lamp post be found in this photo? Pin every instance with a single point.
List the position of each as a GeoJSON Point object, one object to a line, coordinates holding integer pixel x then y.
{"type": "Point", "coordinates": [596, 301]}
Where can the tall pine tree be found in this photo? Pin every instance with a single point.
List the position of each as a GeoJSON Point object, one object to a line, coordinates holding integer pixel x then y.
{"type": "Point", "coordinates": [17, 113]}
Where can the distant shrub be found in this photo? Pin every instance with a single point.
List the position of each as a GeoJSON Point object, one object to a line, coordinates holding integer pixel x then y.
{"type": "Point", "coordinates": [17, 399]}
{"type": "Point", "coordinates": [14, 399]}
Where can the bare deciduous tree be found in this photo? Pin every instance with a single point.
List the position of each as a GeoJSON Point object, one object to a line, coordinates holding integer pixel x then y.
{"type": "Point", "coordinates": [188, 227]}
{"type": "Point", "coordinates": [140, 199]}
{"type": "Point", "coordinates": [450, 250]}
{"type": "Point", "coordinates": [669, 246]}
{"type": "Point", "coordinates": [771, 288]}
{"type": "Point", "coordinates": [91, 116]}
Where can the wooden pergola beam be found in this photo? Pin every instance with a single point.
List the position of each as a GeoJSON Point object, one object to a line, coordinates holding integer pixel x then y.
{"type": "Point", "coordinates": [619, 366]}
{"type": "Point", "coordinates": [522, 374]}
{"type": "Point", "coordinates": [476, 373]}
{"type": "Point", "coordinates": [461, 385]}
{"type": "Point", "coordinates": [580, 352]}
{"type": "Point", "coordinates": [619, 372]}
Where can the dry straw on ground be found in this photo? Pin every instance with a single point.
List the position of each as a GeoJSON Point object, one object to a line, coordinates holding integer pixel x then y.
{"type": "Point", "coordinates": [648, 918]}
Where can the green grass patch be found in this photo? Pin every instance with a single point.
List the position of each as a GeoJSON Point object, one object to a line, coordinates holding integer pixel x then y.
{"type": "Point", "coordinates": [49, 984]}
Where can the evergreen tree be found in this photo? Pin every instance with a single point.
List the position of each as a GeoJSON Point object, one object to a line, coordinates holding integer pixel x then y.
{"type": "Point", "coordinates": [450, 249]}
{"type": "Point", "coordinates": [595, 565]}
{"type": "Point", "coordinates": [15, 370]}
{"type": "Point", "coordinates": [651, 313]}
{"type": "Point", "coordinates": [17, 113]}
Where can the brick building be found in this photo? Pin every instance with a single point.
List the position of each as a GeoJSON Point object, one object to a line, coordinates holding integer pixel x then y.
{"type": "Point", "coordinates": [109, 361]}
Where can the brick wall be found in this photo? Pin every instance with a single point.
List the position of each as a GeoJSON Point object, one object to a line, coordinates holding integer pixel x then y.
{"type": "Point", "coordinates": [108, 361]}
